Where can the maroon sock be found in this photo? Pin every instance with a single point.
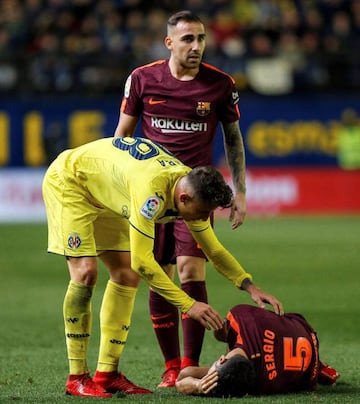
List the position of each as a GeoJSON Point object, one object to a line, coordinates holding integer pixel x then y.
{"type": "Point", "coordinates": [165, 321]}
{"type": "Point", "coordinates": [193, 331]}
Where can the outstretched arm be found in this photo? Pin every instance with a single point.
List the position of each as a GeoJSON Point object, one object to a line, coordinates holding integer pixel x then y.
{"type": "Point", "coordinates": [144, 264]}
{"type": "Point", "coordinates": [226, 264]}
{"type": "Point", "coordinates": [235, 155]}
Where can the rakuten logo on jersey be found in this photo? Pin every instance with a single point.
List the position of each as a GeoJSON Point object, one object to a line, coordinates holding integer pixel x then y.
{"type": "Point", "coordinates": [168, 125]}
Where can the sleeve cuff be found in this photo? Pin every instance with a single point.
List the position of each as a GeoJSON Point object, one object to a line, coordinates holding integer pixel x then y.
{"type": "Point", "coordinates": [241, 278]}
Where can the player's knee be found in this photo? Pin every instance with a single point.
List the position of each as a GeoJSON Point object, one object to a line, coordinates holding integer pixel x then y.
{"type": "Point", "coordinates": [88, 276]}
{"type": "Point", "coordinates": [191, 269]}
{"type": "Point", "coordinates": [83, 270]}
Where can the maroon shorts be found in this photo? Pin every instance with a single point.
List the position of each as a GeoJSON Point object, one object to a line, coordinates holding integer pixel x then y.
{"type": "Point", "coordinates": [173, 240]}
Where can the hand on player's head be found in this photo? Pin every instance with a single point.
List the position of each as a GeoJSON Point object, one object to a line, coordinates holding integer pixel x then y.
{"type": "Point", "coordinates": [236, 376]}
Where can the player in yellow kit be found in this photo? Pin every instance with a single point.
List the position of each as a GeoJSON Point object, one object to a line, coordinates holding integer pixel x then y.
{"type": "Point", "coordinates": [102, 200]}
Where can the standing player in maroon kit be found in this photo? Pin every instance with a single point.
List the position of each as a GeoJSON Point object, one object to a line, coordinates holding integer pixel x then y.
{"type": "Point", "coordinates": [181, 102]}
{"type": "Point", "coordinates": [267, 354]}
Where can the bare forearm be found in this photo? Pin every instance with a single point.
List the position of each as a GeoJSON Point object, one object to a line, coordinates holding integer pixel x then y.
{"type": "Point", "coordinates": [189, 386]}
{"type": "Point", "coordinates": [126, 125]}
{"type": "Point", "coordinates": [235, 155]}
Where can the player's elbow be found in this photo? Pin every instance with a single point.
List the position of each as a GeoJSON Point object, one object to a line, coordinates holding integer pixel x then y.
{"type": "Point", "coordinates": [137, 263]}
{"type": "Point", "coordinates": [142, 266]}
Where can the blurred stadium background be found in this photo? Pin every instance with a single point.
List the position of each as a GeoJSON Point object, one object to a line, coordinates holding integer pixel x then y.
{"type": "Point", "coordinates": [63, 64]}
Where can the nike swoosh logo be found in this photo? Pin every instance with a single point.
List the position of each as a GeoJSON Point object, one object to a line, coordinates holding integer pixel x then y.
{"type": "Point", "coordinates": [155, 102]}
{"type": "Point", "coordinates": [159, 317]}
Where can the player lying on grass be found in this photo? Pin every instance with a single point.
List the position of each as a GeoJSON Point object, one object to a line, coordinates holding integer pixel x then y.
{"type": "Point", "coordinates": [267, 354]}
{"type": "Point", "coordinates": [102, 200]}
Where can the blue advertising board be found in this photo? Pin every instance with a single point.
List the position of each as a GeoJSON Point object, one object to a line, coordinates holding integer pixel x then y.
{"type": "Point", "coordinates": [292, 130]}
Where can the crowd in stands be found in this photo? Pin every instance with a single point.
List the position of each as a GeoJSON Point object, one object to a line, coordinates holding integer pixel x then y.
{"type": "Point", "coordinates": [90, 46]}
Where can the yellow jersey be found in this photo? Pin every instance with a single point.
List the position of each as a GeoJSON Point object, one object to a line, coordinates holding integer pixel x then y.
{"type": "Point", "coordinates": [136, 179]}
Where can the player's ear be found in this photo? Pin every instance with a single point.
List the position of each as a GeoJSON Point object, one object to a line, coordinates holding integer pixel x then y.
{"type": "Point", "coordinates": [168, 42]}
{"type": "Point", "coordinates": [184, 197]}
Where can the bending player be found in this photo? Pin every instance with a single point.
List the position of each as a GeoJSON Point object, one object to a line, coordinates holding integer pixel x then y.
{"type": "Point", "coordinates": [102, 200]}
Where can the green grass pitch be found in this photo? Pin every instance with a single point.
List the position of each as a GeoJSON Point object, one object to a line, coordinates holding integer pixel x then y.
{"type": "Point", "coordinates": [312, 264]}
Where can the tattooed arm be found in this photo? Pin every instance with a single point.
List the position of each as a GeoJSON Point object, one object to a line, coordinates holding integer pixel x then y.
{"type": "Point", "coordinates": [235, 155]}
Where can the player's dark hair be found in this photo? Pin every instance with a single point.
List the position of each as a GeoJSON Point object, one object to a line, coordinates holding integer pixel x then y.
{"type": "Point", "coordinates": [236, 378]}
{"type": "Point", "coordinates": [184, 15]}
{"type": "Point", "coordinates": [209, 186]}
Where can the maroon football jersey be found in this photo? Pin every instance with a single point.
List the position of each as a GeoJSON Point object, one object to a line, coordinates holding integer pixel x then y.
{"type": "Point", "coordinates": [183, 116]}
{"type": "Point", "coordinates": [283, 349]}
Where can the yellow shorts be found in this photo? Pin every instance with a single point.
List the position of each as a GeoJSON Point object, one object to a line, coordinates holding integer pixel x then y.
{"type": "Point", "coordinates": [77, 228]}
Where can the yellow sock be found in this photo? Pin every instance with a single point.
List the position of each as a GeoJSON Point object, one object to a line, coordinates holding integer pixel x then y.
{"type": "Point", "coordinates": [77, 319]}
{"type": "Point", "coordinates": [115, 317]}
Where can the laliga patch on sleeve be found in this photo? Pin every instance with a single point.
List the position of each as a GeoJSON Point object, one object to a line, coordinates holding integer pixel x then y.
{"type": "Point", "coordinates": [150, 207]}
{"type": "Point", "coordinates": [127, 87]}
